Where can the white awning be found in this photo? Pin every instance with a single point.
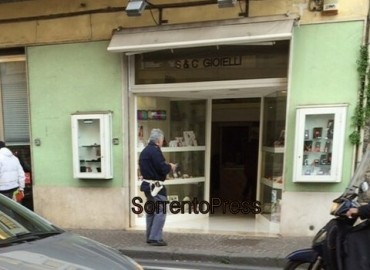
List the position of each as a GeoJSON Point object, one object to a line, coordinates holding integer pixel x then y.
{"type": "Point", "coordinates": [235, 32]}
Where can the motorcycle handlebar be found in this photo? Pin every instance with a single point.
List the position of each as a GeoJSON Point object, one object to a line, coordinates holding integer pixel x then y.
{"type": "Point", "coordinates": [341, 208]}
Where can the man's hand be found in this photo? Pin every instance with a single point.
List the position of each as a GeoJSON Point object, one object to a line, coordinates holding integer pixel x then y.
{"type": "Point", "coordinates": [18, 195]}
{"type": "Point", "coordinates": [173, 166]}
{"type": "Point", "coordinates": [352, 212]}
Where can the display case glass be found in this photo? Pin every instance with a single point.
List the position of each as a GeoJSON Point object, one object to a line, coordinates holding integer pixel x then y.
{"type": "Point", "coordinates": [188, 194]}
{"type": "Point", "coordinates": [183, 124]}
{"type": "Point", "coordinates": [319, 143]}
{"type": "Point", "coordinates": [272, 155]}
{"type": "Point", "coordinates": [91, 144]}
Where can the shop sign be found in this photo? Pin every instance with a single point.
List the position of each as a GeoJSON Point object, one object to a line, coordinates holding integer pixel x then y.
{"type": "Point", "coordinates": [208, 62]}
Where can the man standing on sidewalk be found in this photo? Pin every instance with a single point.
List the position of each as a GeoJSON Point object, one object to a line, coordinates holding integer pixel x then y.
{"type": "Point", "coordinates": [154, 168]}
{"type": "Point", "coordinates": [11, 173]}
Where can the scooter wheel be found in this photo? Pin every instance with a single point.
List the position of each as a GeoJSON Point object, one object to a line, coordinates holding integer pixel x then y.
{"type": "Point", "coordinates": [292, 265]}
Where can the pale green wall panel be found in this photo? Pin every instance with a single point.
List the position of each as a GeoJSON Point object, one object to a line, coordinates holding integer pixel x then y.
{"type": "Point", "coordinates": [324, 71]}
{"type": "Point", "coordinates": [64, 79]}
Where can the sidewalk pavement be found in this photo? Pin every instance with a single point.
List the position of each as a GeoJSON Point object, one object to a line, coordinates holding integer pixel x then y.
{"type": "Point", "coordinates": [240, 249]}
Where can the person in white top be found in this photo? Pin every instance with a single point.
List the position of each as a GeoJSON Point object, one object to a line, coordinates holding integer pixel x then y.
{"type": "Point", "coordinates": [11, 172]}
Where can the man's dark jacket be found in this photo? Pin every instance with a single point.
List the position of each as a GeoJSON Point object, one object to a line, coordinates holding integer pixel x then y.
{"type": "Point", "coordinates": [364, 211]}
{"type": "Point", "coordinates": [356, 245]}
{"type": "Point", "coordinates": [153, 166]}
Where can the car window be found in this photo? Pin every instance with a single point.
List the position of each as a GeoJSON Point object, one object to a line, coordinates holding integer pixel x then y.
{"type": "Point", "coordinates": [10, 227]}
{"type": "Point", "coordinates": [17, 220]}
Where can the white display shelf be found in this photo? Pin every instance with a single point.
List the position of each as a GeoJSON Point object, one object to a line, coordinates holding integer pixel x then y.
{"type": "Point", "coordinates": [178, 149]}
{"type": "Point", "coordinates": [180, 181]}
{"type": "Point", "coordinates": [272, 184]}
{"type": "Point", "coordinates": [274, 149]}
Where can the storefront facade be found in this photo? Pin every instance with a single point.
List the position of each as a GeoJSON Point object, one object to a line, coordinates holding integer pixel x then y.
{"type": "Point", "coordinates": [246, 76]}
{"type": "Point", "coordinates": [186, 81]}
{"type": "Point", "coordinates": [276, 100]}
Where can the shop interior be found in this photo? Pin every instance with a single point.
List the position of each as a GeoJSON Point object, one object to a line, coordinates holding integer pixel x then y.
{"type": "Point", "coordinates": [249, 161]}
{"type": "Point", "coordinates": [234, 149]}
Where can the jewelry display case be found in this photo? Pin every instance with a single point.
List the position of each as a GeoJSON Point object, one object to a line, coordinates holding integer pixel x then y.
{"type": "Point", "coordinates": [92, 145]}
{"type": "Point", "coordinates": [319, 143]}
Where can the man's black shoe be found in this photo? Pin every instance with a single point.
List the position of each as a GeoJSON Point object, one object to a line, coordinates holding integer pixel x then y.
{"type": "Point", "coordinates": [157, 243]}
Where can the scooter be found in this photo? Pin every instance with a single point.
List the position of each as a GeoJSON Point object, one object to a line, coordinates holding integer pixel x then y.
{"type": "Point", "coordinates": [326, 251]}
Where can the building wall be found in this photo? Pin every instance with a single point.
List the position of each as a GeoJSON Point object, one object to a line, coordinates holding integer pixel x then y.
{"type": "Point", "coordinates": [324, 64]}
{"type": "Point", "coordinates": [324, 71]}
{"type": "Point", "coordinates": [72, 21]}
{"type": "Point", "coordinates": [64, 79]}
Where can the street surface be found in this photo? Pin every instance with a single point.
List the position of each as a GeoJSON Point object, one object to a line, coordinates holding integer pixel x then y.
{"type": "Point", "coordinates": [181, 265]}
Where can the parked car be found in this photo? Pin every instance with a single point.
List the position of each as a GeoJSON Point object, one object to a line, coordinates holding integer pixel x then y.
{"type": "Point", "coordinates": [28, 241]}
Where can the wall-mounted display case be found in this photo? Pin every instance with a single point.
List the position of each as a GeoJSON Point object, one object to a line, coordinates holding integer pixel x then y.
{"type": "Point", "coordinates": [319, 143]}
{"type": "Point", "coordinates": [92, 145]}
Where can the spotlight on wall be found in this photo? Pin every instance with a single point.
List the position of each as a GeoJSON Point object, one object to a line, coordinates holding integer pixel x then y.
{"type": "Point", "coordinates": [135, 7]}
{"type": "Point", "coordinates": [226, 3]}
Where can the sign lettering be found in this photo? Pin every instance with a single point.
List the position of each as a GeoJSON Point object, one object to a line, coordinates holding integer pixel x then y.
{"type": "Point", "coordinates": [209, 62]}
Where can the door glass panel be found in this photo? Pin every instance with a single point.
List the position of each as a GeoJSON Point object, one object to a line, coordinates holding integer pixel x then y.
{"type": "Point", "coordinates": [272, 174]}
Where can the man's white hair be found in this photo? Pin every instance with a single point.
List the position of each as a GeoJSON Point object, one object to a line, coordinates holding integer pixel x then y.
{"type": "Point", "coordinates": [155, 135]}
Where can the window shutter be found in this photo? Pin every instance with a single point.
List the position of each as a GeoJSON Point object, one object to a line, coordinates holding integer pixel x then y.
{"type": "Point", "coordinates": [15, 102]}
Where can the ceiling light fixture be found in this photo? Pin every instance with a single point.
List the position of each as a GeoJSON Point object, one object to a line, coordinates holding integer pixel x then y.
{"type": "Point", "coordinates": [226, 3]}
{"type": "Point", "coordinates": [135, 7]}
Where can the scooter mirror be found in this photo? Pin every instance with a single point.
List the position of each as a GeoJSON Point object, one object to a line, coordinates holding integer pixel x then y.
{"type": "Point", "coordinates": [364, 186]}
